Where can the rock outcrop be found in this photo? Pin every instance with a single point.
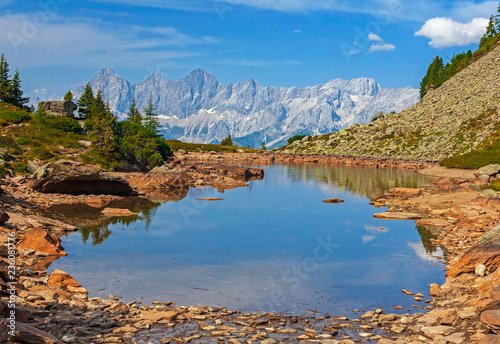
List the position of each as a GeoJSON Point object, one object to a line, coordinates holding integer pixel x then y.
{"type": "Point", "coordinates": [40, 240]}
{"type": "Point", "coordinates": [64, 108]}
{"type": "Point", "coordinates": [69, 177]}
{"type": "Point", "coordinates": [485, 252]}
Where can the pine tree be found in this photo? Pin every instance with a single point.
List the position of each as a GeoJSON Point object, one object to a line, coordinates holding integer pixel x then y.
{"type": "Point", "coordinates": [16, 94]}
{"type": "Point", "coordinates": [134, 115]}
{"type": "Point", "coordinates": [39, 115]}
{"type": "Point", "coordinates": [434, 76]}
{"type": "Point", "coordinates": [5, 84]}
{"type": "Point", "coordinates": [85, 102]}
{"type": "Point", "coordinates": [491, 29]}
{"type": "Point", "coordinates": [498, 18]}
{"type": "Point", "coordinates": [263, 146]}
{"type": "Point", "coordinates": [228, 141]}
{"type": "Point", "coordinates": [68, 96]}
{"type": "Point", "coordinates": [151, 122]}
{"type": "Point", "coordinates": [101, 132]}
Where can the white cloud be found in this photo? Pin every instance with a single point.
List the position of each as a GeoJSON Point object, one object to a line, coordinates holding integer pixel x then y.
{"type": "Point", "coordinates": [41, 91]}
{"type": "Point", "coordinates": [445, 32]}
{"type": "Point", "coordinates": [382, 47]}
{"type": "Point", "coordinates": [297, 31]}
{"type": "Point", "coordinates": [374, 37]}
{"type": "Point", "coordinates": [92, 44]}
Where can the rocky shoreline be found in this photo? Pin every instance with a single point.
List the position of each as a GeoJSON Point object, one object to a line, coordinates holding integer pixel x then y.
{"type": "Point", "coordinates": [55, 308]}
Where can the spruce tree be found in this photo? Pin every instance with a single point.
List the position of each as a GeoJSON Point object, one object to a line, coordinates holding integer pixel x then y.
{"type": "Point", "coordinates": [491, 29]}
{"type": "Point", "coordinates": [5, 85]}
{"type": "Point", "coordinates": [39, 115]}
{"type": "Point", "coordinates": [134, 115]}
{"type": "Point", "coordinates": [228, 141]}
{"type": "Point", "coordinates": [151, 122]}
{"type": "Point", "coordinates": [68, 96]}
{"type": "Point", "coordinates": [16, 94]}
{"type": "Point", "coordinates": [85, 102]}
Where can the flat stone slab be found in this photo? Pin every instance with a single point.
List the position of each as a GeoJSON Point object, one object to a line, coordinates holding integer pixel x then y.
{"type": "Point", "coordinates": [397, 216]}
{"type": "Point", "coordinates": [333, 200]}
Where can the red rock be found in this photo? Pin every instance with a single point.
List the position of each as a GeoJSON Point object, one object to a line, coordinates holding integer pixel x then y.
{"type": "Point", "coordinates": [438, 223]}
{"type": "Point", "coordinates": [397, 216]}
{"type": "Point", "coordinates": [155, 316]}
{"type": "Point", "coordinates": [405, 192]}
{"type": "Point", "coordinates": [486, 252]}
{"type": "Point", "coordinates": [490, 339]}
{"type": "Point", "coordinates": [40, 240]}
{"type": "Point", "coordinates": [333, 200]}
{"type": "Point", "coordinates": [211, 199]}
{"type": "Point", "coordinates": [61, 279]}
{"type": "Point", "coordinates": [491, 319]}
{"type": "Point", "coordinates": [115, 212]}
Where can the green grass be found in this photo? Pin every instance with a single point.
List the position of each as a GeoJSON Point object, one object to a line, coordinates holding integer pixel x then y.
{"type": "Point", "coordinates": [176, 145]}
{"type": "Point", "coordinates": [477, 158]}
{"type": "Point", "coordinates": [495, 185]}
{"type": "Point", "coordinates": [12, 115]}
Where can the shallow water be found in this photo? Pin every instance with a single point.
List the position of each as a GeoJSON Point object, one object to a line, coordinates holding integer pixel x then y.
{"type": "Point", "coordinates": [274, 246]}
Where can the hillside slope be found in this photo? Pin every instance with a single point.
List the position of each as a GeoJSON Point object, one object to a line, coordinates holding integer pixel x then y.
{"type": "Point", "coordinates": [456, 118]}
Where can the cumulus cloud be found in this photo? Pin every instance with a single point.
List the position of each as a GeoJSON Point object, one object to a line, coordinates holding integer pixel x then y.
{"type": "Point", "coordinates": [445, 32]}
{"type": "Point", "coordinates": [382, 47]}
{"type": "Point", "coordinates": [374, 37]}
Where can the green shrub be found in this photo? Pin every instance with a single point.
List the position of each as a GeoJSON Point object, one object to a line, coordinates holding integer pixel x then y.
{"type": "Point", "coordinates": [66, 124]}
{"type": "Point", "coordinates": [14, 117]}
{"type": "Point", "coordinates": [295, 138]}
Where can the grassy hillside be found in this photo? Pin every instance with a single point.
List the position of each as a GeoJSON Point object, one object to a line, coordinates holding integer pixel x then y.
{"type": "Point", "coordinates": [459, 119]}
{"type": "Point", "coordinates": [24, 138]}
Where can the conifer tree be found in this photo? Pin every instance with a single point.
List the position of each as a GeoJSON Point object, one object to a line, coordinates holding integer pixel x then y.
{"type": "Point", "coordinates": [134, 115]}
{"type": "Point", "coordinates": [228, 141]}
{"type": "Point", "coordinates": [16, 94]}
{"type": "Point", "coordinates": [68, 96]}
{"type": "Point", "coordinates": [491, 29]}
{"type": "Point", "coordinates": [85, 102]}
{"type": "Point", "coordinates": [151, 122]}
{"type": "Point", "coordinates": [5, 85]}
{"type": "Point", "coordinates": [39, 115]}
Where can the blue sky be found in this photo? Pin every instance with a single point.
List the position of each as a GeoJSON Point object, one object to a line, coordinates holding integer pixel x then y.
{"type": "Point", "coordinates": [60, 44]}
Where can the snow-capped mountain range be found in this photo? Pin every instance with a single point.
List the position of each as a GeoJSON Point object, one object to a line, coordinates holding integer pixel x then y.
{"type": "Point", "coordinates": [199, 109]}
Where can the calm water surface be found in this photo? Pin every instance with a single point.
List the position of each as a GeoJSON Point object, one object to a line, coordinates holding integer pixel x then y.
{"type": "Point", "coordinates": [274, 246]}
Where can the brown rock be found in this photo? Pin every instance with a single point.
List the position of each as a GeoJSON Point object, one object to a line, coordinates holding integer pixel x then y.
{"type": "Point", "coordinates": [70, 177]}
{"type": "Point", "coordinates": [4, 217]}
{"type": "Point", "coordinates": [486, 252]}
{"type": "Point", "coordinates": [490, 339]}
{"type": "Point", "coordinates": [491, 319]}
{"type": "Point", "coordinates": [405, 192]}
{"type": "Point", "coordinates": [438, 223]}
{"type": "Point", "coordinates": [115, 212]}
{"type": "Point", "coordinates": [333, 200]}
{"type": "Point", "coordinates": [210, 199]}
{"type": "Point", "coordinates": [22, 315]}
{"type": "Point", "coordinates": [61, 279]}
{"type": "Point", "coordinates": [397, 216]}
{"type": "Point", "coordinates": [40, 240]}
{"type": "Point", "coordinates": [155, 316]}
{"type": "Point", "coordinates": [25, 334]}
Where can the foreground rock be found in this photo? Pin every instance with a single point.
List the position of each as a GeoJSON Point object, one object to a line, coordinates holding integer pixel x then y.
{"type": "Point", "coordinates": [486, 252]}
{"type": "Point", "coordinates": [40, 240]}
{"type": "Point", "coordinates": [69, 177]}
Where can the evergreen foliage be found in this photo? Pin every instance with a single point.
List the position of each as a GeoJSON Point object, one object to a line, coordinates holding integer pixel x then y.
{"type": "Point", "coordinates": [10, 89]}
{"type": "Point", "coordinates": [295, 138]}
{"type": "Point", "coordinates": [228, 141]}
{"type": "Point", "coordinates": [85, 102]}
{"type": "Point", "coordinates": [68, 96]}
{"type": "Point", "coordinates": [151, 121]}
{"type": "Point", "coordinates": [134, 115]}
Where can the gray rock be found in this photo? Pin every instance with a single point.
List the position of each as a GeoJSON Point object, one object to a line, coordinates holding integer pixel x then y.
{"type": "Point", "coordinates": [64, 108]}
{"type": "Point", "coordinates": [490, 170]}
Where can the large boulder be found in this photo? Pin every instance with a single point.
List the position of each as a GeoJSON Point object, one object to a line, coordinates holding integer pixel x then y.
{"type": "Point", "coordinates": [70, 177]}
{"type": "Point", "coordinates": [491, 318]}
{"type": "Point", "coordinates": [490, 170]}
{"type": "Point", "coordinates": [40, 240]}
{"type": "Point", "coordinates": [486, 252]}
{"type": "Point", "coordinates": [64, 108]}
{"type": "Point", "coordinates": [61, 279]}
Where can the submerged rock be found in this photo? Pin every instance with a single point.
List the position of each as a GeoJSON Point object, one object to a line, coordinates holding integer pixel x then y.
{"type": "Point", "coordinates": [114, 212]}
{"type": "Point", "coordinates": [333, 200]}
{"type": "Point", "coordinates": [70, 177]}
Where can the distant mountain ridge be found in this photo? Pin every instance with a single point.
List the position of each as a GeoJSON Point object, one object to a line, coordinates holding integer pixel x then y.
{"type": "Point", "coordinates": [198, 108]}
